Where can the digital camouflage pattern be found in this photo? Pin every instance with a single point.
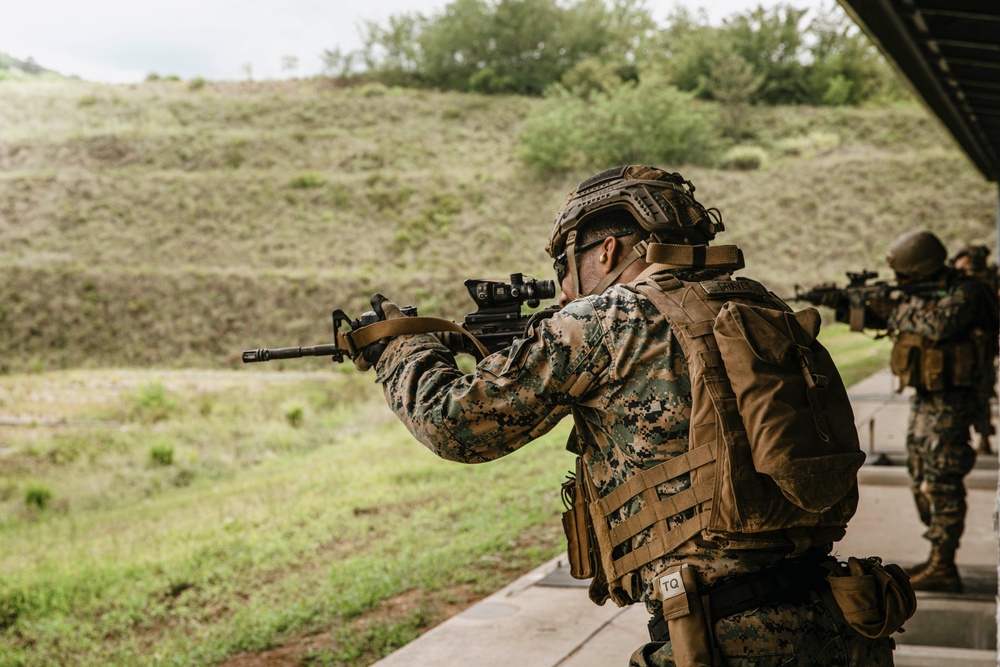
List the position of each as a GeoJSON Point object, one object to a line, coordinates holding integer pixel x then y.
{"type": "Point", "coordinates": [611, 362]}
{"type": "Point", "coordinates": [937, 441]}
{"type": "Point", "coordinates": [791, 635]}
{"type": "Point", "coordinates": [938, 458]}
{"type": "Point", "coordinates": [608, 360]}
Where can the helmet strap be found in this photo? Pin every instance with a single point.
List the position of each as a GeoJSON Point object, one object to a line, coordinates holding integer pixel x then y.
{"type": "Point", "coordinates": [571, 267]}
{"type": "Point", "coordinates": [638, 252]}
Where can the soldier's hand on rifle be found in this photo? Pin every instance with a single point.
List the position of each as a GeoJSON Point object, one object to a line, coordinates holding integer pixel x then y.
{"type": "Point", "coordinates": [881, 304]}
{"type": "Point", "coordinates": [369, 354]}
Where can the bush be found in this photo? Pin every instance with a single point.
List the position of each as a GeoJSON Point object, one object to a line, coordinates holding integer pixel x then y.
{"type": "Point", "coordinates": [744, 158]}
{"type": "Point", "coordinates": [307, 181]}
{"type": "Point", "coordinates": [38, 496]}
{"type": "Point", "coordinates": [152, 404]}
{"type": "Point", "coordinates": [12, 605]}
{"type": "Point", "coordinates": [295, 415]}
{"type": "Point", "coordinates": [162, 454]}
{"type": "Point", "coordinates": [814, 142]}
{"type": "Point", "coordinates": [649, 122]}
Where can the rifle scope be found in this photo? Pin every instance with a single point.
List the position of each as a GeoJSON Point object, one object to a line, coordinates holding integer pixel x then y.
{"type": "Point", "coordinates": [496, 294]}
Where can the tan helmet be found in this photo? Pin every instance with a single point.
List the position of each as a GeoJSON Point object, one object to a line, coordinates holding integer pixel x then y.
{"type": "Point", "coordinates": [662, 203]}
{"type": "Point", "coordinates": [919, 254]}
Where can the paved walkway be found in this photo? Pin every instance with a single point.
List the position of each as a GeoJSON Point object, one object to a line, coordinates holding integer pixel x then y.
{"type": "Point", "coordinates": [544, 619]}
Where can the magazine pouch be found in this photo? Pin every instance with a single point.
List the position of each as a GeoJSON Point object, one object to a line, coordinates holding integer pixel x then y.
{"type": "Point", "coordinates": [875, 599]}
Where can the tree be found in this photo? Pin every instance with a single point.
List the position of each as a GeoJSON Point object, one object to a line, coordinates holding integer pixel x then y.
{"type": "Point", "coordinates": [393, 53]}
{"type": "Point", "coordinates": [733, 83]}
{"type": "Point", "coordinates": [772, 41]}
{"type": "Point", "coordinates": [846, 67]}
{"type": "Point", "coordinates": [509, 46]}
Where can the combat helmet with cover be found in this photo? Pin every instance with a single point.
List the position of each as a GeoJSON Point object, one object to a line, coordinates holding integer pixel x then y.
{"type": "Point", "coordinates": [917, 254]}
{"type": "Point", "coordinates": [662, 203]}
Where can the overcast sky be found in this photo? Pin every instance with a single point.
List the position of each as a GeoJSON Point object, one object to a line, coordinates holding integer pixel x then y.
{"type": "Point", "coordinates": [125, 40]}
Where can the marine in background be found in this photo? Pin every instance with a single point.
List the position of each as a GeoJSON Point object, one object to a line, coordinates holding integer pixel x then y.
{"type": "Point", "coordinates": [940, 336]}
{"type": "Point", "coordinates": [973, 261]}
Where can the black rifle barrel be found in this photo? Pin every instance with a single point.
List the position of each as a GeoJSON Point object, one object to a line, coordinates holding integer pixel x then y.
{"type": "Point", "coordinates": [264, 354]}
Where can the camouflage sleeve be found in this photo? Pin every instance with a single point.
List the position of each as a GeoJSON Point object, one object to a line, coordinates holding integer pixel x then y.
{"type": "Point", "coordinates": [952, 314]}
{"type": "Point", "coordinates": [514, 396]}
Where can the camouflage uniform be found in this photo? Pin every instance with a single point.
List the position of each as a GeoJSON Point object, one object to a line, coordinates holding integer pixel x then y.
{"type": "Point", "coordinates": [612, 363]}
{"type": "Point", "coordinates": [937, 442]}
{"type": "Point", "coordinates": [977, 266]}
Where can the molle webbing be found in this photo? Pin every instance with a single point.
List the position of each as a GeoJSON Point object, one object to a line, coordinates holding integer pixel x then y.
{"type": "Point", "coordinates": [733, 504]}
{"type": "Point", "coordinates": [655, 513]}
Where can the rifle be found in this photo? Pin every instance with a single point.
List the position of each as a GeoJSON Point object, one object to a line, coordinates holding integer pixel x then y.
{"type": "Point", "coordinates": [859, 294]}
{"type": "Point", "coordinates": [495, 324]}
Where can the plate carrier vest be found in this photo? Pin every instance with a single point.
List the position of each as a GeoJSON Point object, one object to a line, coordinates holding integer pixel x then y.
{"type": "Point", "coordinates": [773, 449]}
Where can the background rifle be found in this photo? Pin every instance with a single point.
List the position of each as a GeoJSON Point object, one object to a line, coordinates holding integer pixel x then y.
{"type": "Point", "coordinates": [496, 323]}
{"type": "Point", "coordinates": [859, 295]}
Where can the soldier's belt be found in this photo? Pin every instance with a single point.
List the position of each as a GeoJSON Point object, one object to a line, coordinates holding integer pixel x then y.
{"type": "Point", "coordinates": [788, 583]}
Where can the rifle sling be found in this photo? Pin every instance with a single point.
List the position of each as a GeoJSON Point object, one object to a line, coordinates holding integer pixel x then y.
{"type": "Point", "coordinates": [353, 341]}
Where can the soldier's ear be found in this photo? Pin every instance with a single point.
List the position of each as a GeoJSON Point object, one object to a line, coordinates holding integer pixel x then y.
{"type": "Point", "coordinates": [611, 254]}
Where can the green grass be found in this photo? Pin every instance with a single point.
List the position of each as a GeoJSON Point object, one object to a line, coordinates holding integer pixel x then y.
{"type": "Point", "coordinates": [277, 529]}
{"type": "Point", "coordinates": [857, 355]}
{"type": "Point", "coordinates": [250, 528]}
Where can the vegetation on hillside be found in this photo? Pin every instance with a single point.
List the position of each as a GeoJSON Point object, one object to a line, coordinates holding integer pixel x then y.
{"type": "Point", "coordinates": [170, 225]}
{"type": "Point", "coordinates": [778, 55]}
{"type": "Point", "coordinates": [11, 67]}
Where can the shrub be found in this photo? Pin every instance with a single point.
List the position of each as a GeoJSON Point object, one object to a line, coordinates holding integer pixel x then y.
{"type": "Point", "coordinates": [307, 181]}
{"type": "Point", "coordinates": [12, 605]}
{"type": "Point", "coordinates": [38, 496]}
{"type": "Point", "coordinates": [197, 83]}
{"type": "Point", "coordinates": [294, 415]}
{"type": "Point", "coordinates": [162, 454]}
{"type": "Point", "coordinates": [649, 122]}
{"type": "Point", "coordinates": [814, 142]}
{"type": "Point", "coordinates": [152, 404]}
{"type": "Point", "coordinates": [745, 158]}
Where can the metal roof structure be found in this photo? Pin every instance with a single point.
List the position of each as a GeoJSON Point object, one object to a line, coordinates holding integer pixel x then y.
{"type": "Point", "coordinates": [949, 50]}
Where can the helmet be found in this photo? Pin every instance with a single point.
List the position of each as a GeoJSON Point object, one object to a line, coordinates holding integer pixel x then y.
{"type": "Point", "coordinates": [976, 255]}
{"type": "Point", "coordinates": [919, 254]}
{"type": "Point", "coordinates": [662, 203]}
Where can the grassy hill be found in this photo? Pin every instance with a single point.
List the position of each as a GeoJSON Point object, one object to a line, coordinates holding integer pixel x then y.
{"type": "Point", "coordinates": [175, 224]}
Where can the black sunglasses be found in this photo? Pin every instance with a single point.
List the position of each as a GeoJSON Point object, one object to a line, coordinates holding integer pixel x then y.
{"type": "Point", "coordinates": [559, 264]}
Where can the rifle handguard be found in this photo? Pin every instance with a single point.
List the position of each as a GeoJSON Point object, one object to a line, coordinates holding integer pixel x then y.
{"type": "Point", "coordinates": [352, 341]}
